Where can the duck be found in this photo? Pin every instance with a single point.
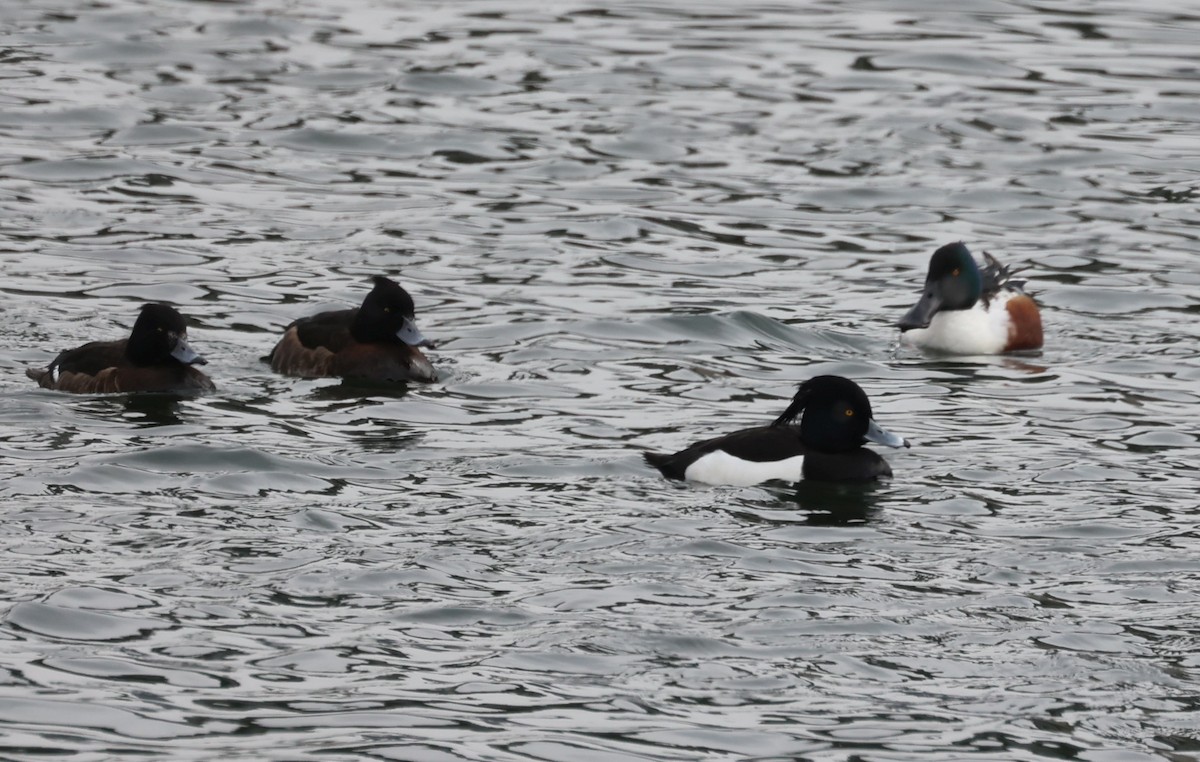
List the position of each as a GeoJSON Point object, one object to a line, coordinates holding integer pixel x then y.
{"type": "Point", "coordinates": [155, 358]}
{"type": "Point", "coordinates": [377, 341]}
{"type": "Point", "coordinates": [826, 445]}
{"type": "Point", "coordinates": [966, 309]}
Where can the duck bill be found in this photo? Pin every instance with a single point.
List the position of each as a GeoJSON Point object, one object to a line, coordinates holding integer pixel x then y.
{"type": "Point", "coordinates": [880, 435]}
{"type": "Point", "coordinates": [185, 354]}
{"type": "Point", "coordinates": [411, 335]}
{"type": "Point", "coordinates": [921, 313]}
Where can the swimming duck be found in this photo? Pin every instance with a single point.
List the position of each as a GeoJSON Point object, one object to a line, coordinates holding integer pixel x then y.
{"type": "Point", "coordinates": [375, 342]}
{"type": "Point", "coordinates": [155, 358]}
{"type": "Point", "coordinates": [969, 310]}
{"type": "Point", "coordinates": [826, 445]}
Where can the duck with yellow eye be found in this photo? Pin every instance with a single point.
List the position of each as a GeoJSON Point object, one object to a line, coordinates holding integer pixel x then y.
{"type": "Point", "coordinates": [377, 342]}
{"type": "Point", "coordinates": [155, 358]}
{"type": "Point", "coordinates": [968, 310]}
{"type": "Point", "coordinates": [826, 444]}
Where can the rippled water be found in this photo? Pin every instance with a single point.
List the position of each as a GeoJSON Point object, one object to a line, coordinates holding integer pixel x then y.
{"type": "Point", "coordinates": [629, 226]}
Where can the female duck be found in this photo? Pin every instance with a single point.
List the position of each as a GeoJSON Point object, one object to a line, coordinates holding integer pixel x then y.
{"type": "Point", "coordinates": [826, 445]}
{"type": "Point", "coordinates": [966, 310]}
{"type": "Point", "coordinates": [155, 358]}
{"type": "Point", "coordinates": [375, 342]}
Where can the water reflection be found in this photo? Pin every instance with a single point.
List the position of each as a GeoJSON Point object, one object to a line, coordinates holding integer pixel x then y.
{"type": "Point", "coordinates": [151, 410]}
{"type": "Point", "coordinates": [820, 503]}
{"type": "Point", "coordinates": [357, 390]}
{"type": "Point", "coordinates": [837, 503]}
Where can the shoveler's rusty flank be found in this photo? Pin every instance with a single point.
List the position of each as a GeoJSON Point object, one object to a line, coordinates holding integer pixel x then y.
{"type": "Point", "coordinates": [1025, 324]}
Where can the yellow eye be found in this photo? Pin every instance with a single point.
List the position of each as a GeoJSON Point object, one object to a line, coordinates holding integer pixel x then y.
{"type": "Point", "coordinates": [387, 309]}
{"type": "Point", "coordinates": [849, 412]}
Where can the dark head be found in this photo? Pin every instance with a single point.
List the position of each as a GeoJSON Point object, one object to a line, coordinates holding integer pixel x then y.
{"type": "Point", "coordinates": [160, 336]}
{"type": "Point", "coordinates": [953, 283]}
{"type": "Point", "coordinates": [837, 416]}
{"type": "Point", "coordinates": [388, 315]}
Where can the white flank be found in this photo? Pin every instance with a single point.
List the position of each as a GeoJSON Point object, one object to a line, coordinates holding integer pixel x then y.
{"type": "Point", "coordinates": [966, 332]}
{"type": "Point", "coordinates": [719, 467]}
{"type": "Point", "coordinates": [54, 373]}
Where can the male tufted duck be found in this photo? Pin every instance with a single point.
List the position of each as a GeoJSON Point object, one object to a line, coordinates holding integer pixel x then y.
{"type": "Point", "coordinates": [826, 445]}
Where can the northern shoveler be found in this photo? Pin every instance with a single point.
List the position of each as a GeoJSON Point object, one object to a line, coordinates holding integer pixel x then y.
{"type": "Point", "coordinates": [969, 310]}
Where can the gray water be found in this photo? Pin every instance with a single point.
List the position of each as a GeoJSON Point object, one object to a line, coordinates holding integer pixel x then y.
{"type": "Point", "coordinates": [628, 226]}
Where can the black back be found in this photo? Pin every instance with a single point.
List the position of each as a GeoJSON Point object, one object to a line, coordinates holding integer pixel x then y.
{"type": "Point", "coordinates": [762, 444]}
{"type": "Point", "coordinates": [330, 330]}
{"type": "Point", "coordinates": [834, 417]}
{"type": "Point", "coordinates": [91, 358]}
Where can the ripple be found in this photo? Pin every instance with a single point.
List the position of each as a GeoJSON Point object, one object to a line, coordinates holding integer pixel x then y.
{"type": "Point", "coordinates": [73, 624]}
{"type": "Point", "coordinates": [159, 134]}
{"type": "Point", "coordinates": [122, 722]}
{"type": "Point", "coordinates": [448, 84]}
{"type": "Point", "coordinates": [81, 170]}
{"type": "Point", "coordinates": [114, 669]}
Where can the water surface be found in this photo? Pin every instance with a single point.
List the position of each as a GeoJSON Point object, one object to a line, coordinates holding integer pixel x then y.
{"type": "Point", "coordinates": [628, 227]}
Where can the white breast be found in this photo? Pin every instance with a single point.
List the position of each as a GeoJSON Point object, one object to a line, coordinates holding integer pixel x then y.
{"type": "Point", "coordinates": [719, 467]}
{"type": "Point", "coordinates": [966, 332]}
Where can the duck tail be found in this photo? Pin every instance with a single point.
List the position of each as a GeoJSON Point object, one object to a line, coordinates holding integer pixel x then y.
{"type": "Point", "coordinates": [656, 459]}
{"type": "Point", "coordinates": [665, 463]}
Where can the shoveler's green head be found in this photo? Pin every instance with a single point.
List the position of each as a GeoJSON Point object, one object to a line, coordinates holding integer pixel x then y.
{"type": "Point", "coordinates": [953, 283]}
